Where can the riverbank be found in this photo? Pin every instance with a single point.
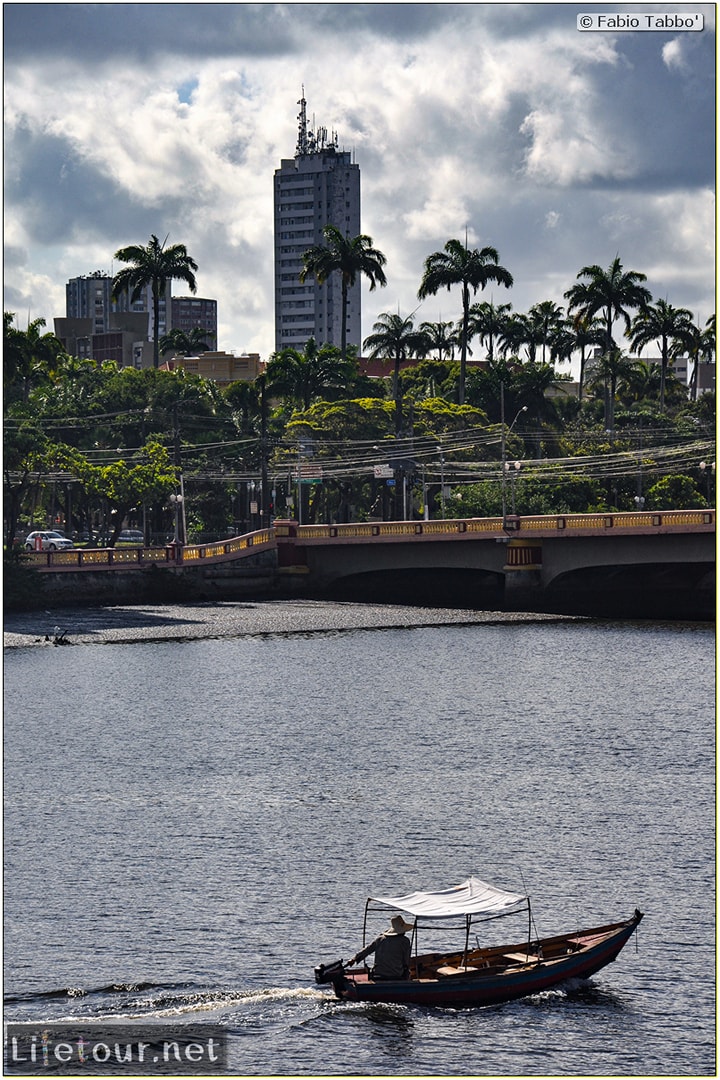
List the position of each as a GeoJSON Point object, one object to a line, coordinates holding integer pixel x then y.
{"type": "Point", "coordinates": [124, 624]}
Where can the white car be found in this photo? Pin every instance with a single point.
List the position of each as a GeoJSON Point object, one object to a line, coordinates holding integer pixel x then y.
{"type": "Point", "coordinates": [51, 541]}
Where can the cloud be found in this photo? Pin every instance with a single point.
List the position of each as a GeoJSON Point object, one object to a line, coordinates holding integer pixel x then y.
{"type": "Point", "coordinates": [558, 148]}
{"type": "Point", "coordinates": [673, 55]}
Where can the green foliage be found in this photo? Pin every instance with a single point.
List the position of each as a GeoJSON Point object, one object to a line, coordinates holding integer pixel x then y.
{"type": "Point", "coordinates": [147, 478]}
{"type": "Point", "coordinates": [676, 492]}
{"type": "Point", "coordinates": [431, 378]}
{"type": "Point", "coordinates": [532, 495]}
{"type": "Point", "coordinates": [154, 265]}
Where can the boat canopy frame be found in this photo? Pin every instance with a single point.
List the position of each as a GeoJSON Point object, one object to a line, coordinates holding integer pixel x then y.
{"type": "Point", "coordinates": [473, 900]}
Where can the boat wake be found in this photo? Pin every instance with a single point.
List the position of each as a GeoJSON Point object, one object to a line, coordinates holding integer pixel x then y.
{"type": "Point", "coordinates": [152, 1001]}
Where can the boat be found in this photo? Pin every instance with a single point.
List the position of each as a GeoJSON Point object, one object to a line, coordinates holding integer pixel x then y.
{"type": "Point", "coordinates": [480, 975]}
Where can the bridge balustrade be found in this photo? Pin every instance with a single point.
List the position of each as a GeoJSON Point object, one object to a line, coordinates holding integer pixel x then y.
{"type": "Point", "coordinates": [288, 532]}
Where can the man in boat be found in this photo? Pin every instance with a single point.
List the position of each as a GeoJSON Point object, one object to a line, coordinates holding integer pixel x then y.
{"type": "Point", "coordinates": [392, 952]}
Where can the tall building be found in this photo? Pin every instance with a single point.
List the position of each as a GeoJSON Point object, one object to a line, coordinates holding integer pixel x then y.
{"type": "Point", "coordinates": [89, 298]}
{"type": "Point", "coordinates": [187, 312]}
{"type": "Point", "coordinates": [319, 186]}
{"type": "Point", "coordinates": [104, 329]}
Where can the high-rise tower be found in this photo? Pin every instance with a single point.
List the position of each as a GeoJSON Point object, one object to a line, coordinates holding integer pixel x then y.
{"type": "Point", "coordinates": [319, 186]}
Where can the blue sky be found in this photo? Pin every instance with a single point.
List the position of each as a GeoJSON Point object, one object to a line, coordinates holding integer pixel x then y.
{"type": "Point", "coordinates": [557, 147]}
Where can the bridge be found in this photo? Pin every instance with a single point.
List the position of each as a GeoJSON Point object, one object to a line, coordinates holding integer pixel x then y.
{"type": "Point", "coordinates": [624, 565]}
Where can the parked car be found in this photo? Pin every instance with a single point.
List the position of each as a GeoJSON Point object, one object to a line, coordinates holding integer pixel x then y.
{"type": "Point", "coordinates": [131, 536]}
{"type": "Point", "coordinates": [51, 540]}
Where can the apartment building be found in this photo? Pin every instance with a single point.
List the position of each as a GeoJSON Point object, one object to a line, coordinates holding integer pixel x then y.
{"type": "Point", "coordinates": [319, 186]}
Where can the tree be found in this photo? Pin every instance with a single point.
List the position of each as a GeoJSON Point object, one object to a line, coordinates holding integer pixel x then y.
{"type": "Point", "coordinates": [154, 265]}
{"type": "Point", "coordinates": [546, 319]}
{"type": "Point", "coordinates": [24, 447]}
{"type": "Point", "coordinates": [487, 322]}
{"type": "Point", "coordinates": [672, 327]}
{"type": "Point", "coordinates": [611, 367]}
{"type": "Point", "coordinates": [29, 357]}
{"type": "Point", "coordinates": [124, 483]}
{"type": "Point", "coordinates": [302, 377]}
{"type": "Point", "coordinates": [581, 332]}
{"type": "Point", "coordinates": [702, 349]}
{"type": "Point", "coordinates": [457, 265]}
{"type": "Point", "coordinates": [347, 257]}
{"type": "Point", "coordinates": [440, 336]}
{"type": "Point", "coordinates": [186, 344]}
{"type": "Point", "coordinates": [675, 492]}
{"type": "Point", "coordinates": [395, 338]}
{"type": "Point", "coordinates": [608, 292]}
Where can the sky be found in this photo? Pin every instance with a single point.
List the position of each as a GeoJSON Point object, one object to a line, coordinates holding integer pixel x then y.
{"type": "Point", "coordinates": [503, 122]}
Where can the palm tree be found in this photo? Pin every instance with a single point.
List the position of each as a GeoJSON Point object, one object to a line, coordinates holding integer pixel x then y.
{"type": "Point", "coordinates": [607, 371]}
{"type": "Point", "coordinates": [487, 321]}
{"type": "Point", "coordinates": [184, 343]}
{"type": "Point", "coordinates": [580, 332]}
{"type": "Point", "coordinates": [702, 348]}
{"type": "Point", "coordinates": [396, 338]}
{"type": "Point", "coordinates": [303, 376]}
{"type": "Point", "coordinates": [348, 257]}
{"type": "Point", "coordinates": [546, 319]}
{"type": "Point", "coordinates": [154, 265]}
{"type": "Point", "coordinates": [440, 336]}
{"type": "Point", "coordinates": [672, 327]}
{"type": "Point", "coordinates": [457, 265]}
{"type": "Point", "coordinates": [30, 357]}
{"type": "Point", "coordinates": [610, 292]}
{"type": "Point", "coordinates": [522, 329]}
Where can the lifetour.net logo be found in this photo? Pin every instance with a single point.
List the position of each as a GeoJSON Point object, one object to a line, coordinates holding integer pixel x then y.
{"type": "Point", "coordinates": [62, 1049]}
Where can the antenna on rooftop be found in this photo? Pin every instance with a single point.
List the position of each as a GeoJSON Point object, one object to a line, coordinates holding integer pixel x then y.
{"type": "Point", "coordinates": [302, 142]}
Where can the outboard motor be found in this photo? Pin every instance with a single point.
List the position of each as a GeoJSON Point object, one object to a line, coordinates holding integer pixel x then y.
{"type": "Point", "coordinates": [330, 973]}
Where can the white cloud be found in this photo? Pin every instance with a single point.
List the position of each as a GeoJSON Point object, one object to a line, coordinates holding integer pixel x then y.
{"type": "Point", "coordinates": [496, 117]}
{"type": "Point", "coordinates": [673, 54]}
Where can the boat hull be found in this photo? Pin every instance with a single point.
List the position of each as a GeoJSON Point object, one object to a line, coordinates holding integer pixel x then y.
{"type": "Point", "coordinates": [588, 952]}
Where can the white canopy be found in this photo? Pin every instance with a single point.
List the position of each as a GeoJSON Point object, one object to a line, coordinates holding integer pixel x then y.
{"type": "Point", "coordinates": [471, 897]}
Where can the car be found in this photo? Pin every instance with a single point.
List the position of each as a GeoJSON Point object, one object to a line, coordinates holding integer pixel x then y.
{"type": "Point", "coordinates": [50, 540]}
{"type": "Point", "coordinates": [131, 536]}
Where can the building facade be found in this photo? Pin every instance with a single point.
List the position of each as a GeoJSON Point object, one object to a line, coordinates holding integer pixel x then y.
{"type": "Point", "coordinates": [99, 328]}
{"type": "Point", "coordinates": [319, 186]}
{"type": "Point", "coordinates": [223, 368]}
{"type": "Point", "coordinates": [88, 297]}
{"type": "Point", "coordinates": [187, 312]}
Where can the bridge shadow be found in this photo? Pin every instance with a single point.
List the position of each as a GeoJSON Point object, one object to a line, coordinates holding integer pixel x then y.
{"type": "Point", "coordinates": [88, 621]}
{"type": "Point", "coordinates": [473, 589]}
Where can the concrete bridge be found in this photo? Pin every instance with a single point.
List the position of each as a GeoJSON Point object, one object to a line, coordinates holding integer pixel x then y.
{"type": "Point", "coordinates": [623, 565]}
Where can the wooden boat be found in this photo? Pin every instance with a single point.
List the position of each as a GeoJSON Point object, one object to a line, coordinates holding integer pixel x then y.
{"type": "Point", "coordinates": [482, 975]}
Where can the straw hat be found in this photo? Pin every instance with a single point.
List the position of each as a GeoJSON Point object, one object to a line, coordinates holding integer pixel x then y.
{"type": "Point", "coordinates": [399, 926]}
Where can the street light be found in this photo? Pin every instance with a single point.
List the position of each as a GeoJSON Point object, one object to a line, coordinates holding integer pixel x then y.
{"type": "Point", "coordinates": [513, 469]}
{"type": "Point", "coordinates": [442, 481]}
{"type": "Point", "coordinates": [177, 503]}
{"type": "Point", "coordinates": [708, 471]}
{"type": "Point", "coordinates": [520, 411]}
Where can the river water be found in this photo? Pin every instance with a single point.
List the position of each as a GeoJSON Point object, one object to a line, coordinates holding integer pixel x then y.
{"type": "Point", "coordinates": [197, 806]}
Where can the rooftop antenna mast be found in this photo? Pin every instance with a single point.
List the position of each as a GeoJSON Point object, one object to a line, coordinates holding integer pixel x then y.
{"type": "Point", "coordinates": [302, 142]}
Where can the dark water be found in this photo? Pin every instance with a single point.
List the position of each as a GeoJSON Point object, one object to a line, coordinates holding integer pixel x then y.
{"type": "Point", "coordinates": [191, 827]}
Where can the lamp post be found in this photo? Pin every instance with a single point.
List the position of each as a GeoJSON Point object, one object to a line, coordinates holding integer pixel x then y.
{"type": "Point", "coordinates": [177, 504]}
{"type": "Point", "coordinates": [513, 469]}
{"type": "Point", "coordinates": [504, 435]}
{"type": "Point", "coordinates": [442, 481]}
{"type": "Point", "coordinates": [708, 471]}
